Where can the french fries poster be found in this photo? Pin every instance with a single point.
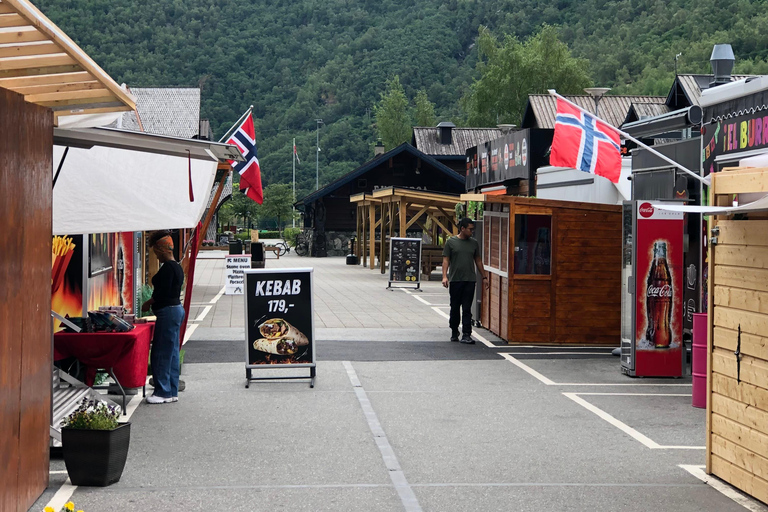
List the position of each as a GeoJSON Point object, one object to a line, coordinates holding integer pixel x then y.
{"type": "Point", "coordinates": [279, 317]}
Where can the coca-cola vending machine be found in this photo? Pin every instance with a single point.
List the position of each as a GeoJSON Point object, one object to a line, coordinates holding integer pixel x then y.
{"type": "Point", "coordinates": [652, 299]}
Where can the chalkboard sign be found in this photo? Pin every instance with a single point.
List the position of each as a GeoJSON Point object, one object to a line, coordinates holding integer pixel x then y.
{"type": "Point", "coordinates": [405, 261]}
{"type": "Point", "coordinates": [279, 329]}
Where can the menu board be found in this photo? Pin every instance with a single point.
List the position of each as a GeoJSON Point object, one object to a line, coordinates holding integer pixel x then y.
{"type": "Point", "coordinates": [279, 317]}
{"type": "Point", "coordinates": [404, 261]}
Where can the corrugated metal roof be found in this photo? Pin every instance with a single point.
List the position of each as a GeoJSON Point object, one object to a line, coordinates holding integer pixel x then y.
{"type": "Point", "coordinates": [692, 85]}
{"type": "Point", "coordinates": [644, 110]}
{"type": "Point", "coordinates": [170, 111]}
{"type": "Point", "coordinates": [612, 109]}
{"type": "Point", "coordinates": [425, 139]}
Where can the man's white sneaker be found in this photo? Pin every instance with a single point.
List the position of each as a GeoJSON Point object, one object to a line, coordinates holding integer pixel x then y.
{"type": "Point", "coordinates": [154, 399]}
{"type": "Point", "coordinates": [174, 399]}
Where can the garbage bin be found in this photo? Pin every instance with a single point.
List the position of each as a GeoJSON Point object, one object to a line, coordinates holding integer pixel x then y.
{"type": "Point", "coordinates": [351, 258]}
{"type": "Point", "coordinates": [257, 254]}
{"type": "Point", "coordinates": [247, 247]}
{"type": "Point", "coordinates": [236, 247]}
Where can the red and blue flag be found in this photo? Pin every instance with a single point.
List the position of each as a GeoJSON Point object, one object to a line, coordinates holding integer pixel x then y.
{"type": "Point", "coordinates": [584, 142]}
{"type": "Point", "coordinates": [250, 172]}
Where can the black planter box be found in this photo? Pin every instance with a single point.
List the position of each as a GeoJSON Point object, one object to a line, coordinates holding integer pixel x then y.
{"type": "Point", "coordinates": [95, 457]}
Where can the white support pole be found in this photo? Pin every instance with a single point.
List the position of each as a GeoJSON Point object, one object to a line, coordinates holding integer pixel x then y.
{"type": "Point", "coordinates": [627, 136]}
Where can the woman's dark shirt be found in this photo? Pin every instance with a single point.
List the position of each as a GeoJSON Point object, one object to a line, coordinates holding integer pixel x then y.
{"type": "Point", "coordinates": [167, 283]}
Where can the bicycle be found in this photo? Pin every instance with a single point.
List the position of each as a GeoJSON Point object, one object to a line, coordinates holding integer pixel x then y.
{"type": "Point", "coordinates": [282, 248]}
{"type": "Point", "coordinates": [302, 245]}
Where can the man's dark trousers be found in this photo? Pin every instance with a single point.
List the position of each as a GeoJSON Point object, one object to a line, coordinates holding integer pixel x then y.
{"type": "Point", "coordinates": [461, 293]}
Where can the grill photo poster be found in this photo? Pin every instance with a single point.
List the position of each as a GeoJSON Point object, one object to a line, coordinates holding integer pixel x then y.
{"type": "Point", "coordinates": [279, 314]}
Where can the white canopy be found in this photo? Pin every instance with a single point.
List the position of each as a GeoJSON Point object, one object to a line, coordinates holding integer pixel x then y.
{"type": "Point", "coordinates": [131, 181]}
{"type": "Point", "coordinates": [755, 206]}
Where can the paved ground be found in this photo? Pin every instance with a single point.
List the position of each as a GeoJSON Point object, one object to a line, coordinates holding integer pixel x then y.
{"type": "Point", "coordinates": [402, 419]}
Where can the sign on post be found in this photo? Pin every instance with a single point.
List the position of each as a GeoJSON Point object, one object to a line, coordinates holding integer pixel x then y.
{"type": "Point", "coordinates": [405, 261]}
{"type": "Point", "coordinates": [236, 265]}
{"type": "Point", "coordinates": [279, 315]}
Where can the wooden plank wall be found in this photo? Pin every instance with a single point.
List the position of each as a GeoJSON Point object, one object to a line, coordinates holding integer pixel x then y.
{"type": "Point", "coordinates": [587, 276]}
{"type": "Point", "coordinates": [529, 321]}
{"type": "Point", "coordinates": [739, 389]}
{"type": "Point", "coordinates": [26, 141]}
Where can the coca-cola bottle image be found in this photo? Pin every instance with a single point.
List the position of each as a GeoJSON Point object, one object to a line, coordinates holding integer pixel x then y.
{"type": "Point", "coordinates": [658, 299]}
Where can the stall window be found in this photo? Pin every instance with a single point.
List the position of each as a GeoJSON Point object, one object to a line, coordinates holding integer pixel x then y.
{"type": "Point", "coordinates": [533, 244]}
{"type": "Point", "coordinates": [496, 242]}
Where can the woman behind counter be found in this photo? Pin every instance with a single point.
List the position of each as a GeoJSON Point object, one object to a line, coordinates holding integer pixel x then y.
{"type": "Point", "coordinates": [166, 306]}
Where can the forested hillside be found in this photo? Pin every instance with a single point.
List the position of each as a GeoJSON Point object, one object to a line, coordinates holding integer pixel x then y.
{"type": "Point", "coordinates": [302, 60]}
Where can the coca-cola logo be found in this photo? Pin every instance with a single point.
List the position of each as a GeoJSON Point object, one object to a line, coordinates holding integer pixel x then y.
{"type": "Point", "coordinates": [659, 291]}
{"type": "Point", "coordinates": [646, 210]}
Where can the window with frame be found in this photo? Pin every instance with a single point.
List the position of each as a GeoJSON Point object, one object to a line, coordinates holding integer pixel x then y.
{"type": "Point", "coordinates": [496, 242]}
{"type": "Point", "coordinates": [533, 244]}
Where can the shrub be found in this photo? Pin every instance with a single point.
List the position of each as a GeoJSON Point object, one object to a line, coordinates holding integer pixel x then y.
{"type": "Point", "coordinates": [269, 234]}
{"type": "Point", "coordinates": [93, 415]}
{"type": "Point", "coordinates": [289, 234]}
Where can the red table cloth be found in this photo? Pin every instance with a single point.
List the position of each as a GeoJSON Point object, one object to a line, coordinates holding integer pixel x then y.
{"type": "Point", "coordinates": [127, 353]}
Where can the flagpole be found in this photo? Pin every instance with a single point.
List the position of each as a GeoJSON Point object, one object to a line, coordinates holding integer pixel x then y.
{"type": "Point", "coordinates": [705, 181]}
{"type": "Point", "coordinates": [237, 123]}
{"type": "Point", "coordinates": [293, 153]}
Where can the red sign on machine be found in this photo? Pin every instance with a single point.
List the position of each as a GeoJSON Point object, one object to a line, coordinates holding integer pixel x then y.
{"type": "Point", "coordinates": [659, 285]}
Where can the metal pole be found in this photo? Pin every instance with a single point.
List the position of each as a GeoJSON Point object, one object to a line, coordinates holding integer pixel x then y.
{"type": "Point", "coordinates": [293, 152]}
{"type": "Point", "coordinates": [317, 154]}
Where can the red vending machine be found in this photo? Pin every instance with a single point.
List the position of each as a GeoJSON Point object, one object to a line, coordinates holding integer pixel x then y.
{"type": "Point", "coordinates": [652, 302]}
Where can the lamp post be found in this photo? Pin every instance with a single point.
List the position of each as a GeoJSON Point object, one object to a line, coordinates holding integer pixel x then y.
{"type": "Point", "coordinates": [317, 154]}
{"type": "Point", "coordinates": [597, 93]}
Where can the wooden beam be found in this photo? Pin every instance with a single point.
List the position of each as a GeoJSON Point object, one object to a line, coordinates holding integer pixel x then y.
{"type": "Point", "coordinates": [382, 241]}
{"type": "Point", "coordinates": [42, 79]}
{"type": "Point", "coordinates": [5, 8]}
{"type": "Point", "coordinates": [417, 216]}
{"type": "Point", "coordinates": [44, 48]}
{"type": "Point", "coordinates": [11, 20]}
{"type": "Point", "coordinates": [68, 96]}
{"type": "Point", "coordinates": [36, 61]}
{"type": "Point", "coordinates": [402, 208]}
{"type": "Point", "coordinates": [437, 221]}
{"type": "Point", "coordinates": [23, 35]}
{"type": "Point", "coordinates": [52, 70]}
{"type": "Point", "coordinates": [358, 231]}
{"type": "Point", "coordinates": [372, 230]}
{"type": "Point", "coordinates": [41, 89]}
{"type": "Point", "coordinates": [44, 28]}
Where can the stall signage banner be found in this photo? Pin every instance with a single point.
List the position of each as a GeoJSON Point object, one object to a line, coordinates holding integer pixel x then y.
{"type": "Point", "coordinates": [236, 265]}
{"type": "Point", "coordinates": [502, 159]}
{"type": "Point", "coordinates": [659, 284]}
{"type": "Point", "coordinates": [405, 261]}
{"type": "Point", "coordinates": [279, 314]}
{"type": "Point", "coordinates": [734, 135]}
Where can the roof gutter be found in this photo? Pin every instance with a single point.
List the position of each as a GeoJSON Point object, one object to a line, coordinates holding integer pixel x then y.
{"type": "Point", "coordinates": [662, 124]}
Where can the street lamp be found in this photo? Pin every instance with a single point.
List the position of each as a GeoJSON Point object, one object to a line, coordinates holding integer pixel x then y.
{"type": "Point", "coordinates": [597, 93]}
{"type": "Point", "coordinates": [317, 154]}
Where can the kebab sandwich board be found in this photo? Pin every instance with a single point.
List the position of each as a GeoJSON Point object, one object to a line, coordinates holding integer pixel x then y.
{"type": "Point", "coordinates": [279, 316]}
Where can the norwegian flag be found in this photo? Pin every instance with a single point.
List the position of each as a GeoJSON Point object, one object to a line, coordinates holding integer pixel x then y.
{"type": "Point", "coordinates": [250, 172]}
{"type": "Point", "coordinates": [584, 142]}
{"type": "Point", "coordinates": [295, 153]}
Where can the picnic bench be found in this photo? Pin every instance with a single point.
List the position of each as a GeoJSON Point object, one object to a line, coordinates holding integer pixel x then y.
{"type": "Point", "coordinates": [272, 248]}
{"type": "Point", "coordinates": [431, 258]}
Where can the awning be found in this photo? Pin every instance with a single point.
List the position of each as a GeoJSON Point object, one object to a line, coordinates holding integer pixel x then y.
{"type": "Point", "coordinates": [39, 61]}
{"type": "Point", "coordinates": [87, 138]}
{"type": "Point", "coordinates": [131, 181]}
{"type": "Point", "coordinates": [755, 206]}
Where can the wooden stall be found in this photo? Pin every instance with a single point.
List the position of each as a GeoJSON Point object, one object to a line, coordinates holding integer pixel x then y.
{"type": "Point", "coordinates": [737, 384]}
{"type": "Point", "coordinates": [392, 211]}
{"type": "Point", "coordinates": [555, 270]}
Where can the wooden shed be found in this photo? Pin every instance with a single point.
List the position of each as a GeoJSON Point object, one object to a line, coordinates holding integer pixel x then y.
{"type": "Point", "coordinates": [737, 384]}
{"type": "Point", "coordinates": [555, 270]}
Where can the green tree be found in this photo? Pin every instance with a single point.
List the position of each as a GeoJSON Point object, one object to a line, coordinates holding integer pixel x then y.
{"type": "Point", "coordinates": [239, 208]}
{"type": "Point", "coordinates": [511, 70]}
{"type": "Point", "coordinates": [392, 120]}
{"type": "Point", "coordinates": [425, 110]}
{"type": "Point", "coordinates": [278, 204]}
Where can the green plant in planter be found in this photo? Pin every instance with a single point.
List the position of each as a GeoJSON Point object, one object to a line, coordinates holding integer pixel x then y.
{"type": "Point", "coordinates": [94, 444]}
{"type": "Point", "coordinates": [92, 415]}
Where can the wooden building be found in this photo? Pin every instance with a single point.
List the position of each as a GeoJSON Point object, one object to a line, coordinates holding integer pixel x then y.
{"type": "Point", "coordinates": [330, 218]}
{"type": "Point", "coordinates": [448, 144]}
{"type": "Point", "coordinates": [555, 270]}
{"type": "Point", "coordinates": [55, 78]}
{"type": "Point", "coordinates": [737, 383]}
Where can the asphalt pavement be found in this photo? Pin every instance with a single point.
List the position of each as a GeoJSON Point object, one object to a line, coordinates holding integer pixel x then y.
{"type": "Point", "coordinates": [401, 419]}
